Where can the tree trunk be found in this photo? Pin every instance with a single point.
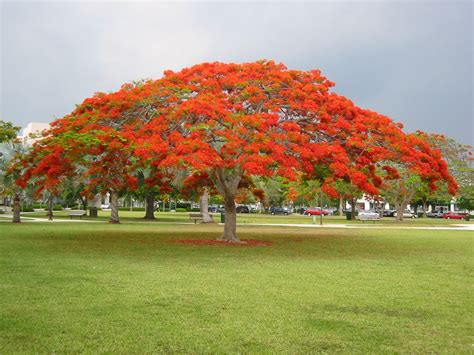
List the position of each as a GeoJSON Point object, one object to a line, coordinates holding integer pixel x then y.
{"type": "Point", "coordinates": [16, 208]}
{"type": "Point", "coordinates": [400, 208]}
{"type": "Point", "coordinates": [84, 203]}
{"type": "Point", "coordinates": [93, 212]}
{"type": "Point", "coordinates": [114, 214]}
{"type": "Point", "coordinates": [92, 204]}
{"type": "Point", "coordinates": [150, 206]}
{"type": "Point", "coordinates": [341, 207]}
{"type": "Point", "coordinates": [425, 206]}
{"type": "Point", "coordinates": [230, 226]}
{"type": "Point", "coordinates": [50, 207]}
{"type": "Point", "coordinates": [204, 207]}
{"type": "Point", "coordinates": [353, 212]}
{"type": "Point", "coordinates": [227, 184]}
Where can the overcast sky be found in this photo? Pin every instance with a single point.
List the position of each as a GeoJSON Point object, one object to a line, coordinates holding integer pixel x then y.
{"type": "Point", "coordinates": [409, 60]}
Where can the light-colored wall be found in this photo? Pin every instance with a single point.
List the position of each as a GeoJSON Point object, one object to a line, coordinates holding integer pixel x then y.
{"type": "Point", "coordinates": [33, 128]}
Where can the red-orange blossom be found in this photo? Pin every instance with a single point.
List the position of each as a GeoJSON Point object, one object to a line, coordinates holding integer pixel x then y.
{"type": "Point", "coordinates": [227, 122]}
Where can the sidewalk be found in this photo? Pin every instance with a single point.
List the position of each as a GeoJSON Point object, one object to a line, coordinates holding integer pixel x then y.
{"type": "Point", "coordinates": [464, 227]}
{"type": "Point", "coordinates": [8, 218]}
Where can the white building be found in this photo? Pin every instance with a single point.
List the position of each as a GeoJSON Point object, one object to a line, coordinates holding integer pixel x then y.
{"type": "Point", "coordinates": [365, 204]}
{"type": "Point", "coordinates": [32, 131]}
{"type": "Point", "coordinates": [369, 204]}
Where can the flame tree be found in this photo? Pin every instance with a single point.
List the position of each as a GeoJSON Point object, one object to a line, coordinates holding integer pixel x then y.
{"type": "Point", "coordinates": [226, 123]}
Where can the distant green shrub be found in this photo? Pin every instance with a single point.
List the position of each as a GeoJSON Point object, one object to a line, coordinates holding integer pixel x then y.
{"type": "Point", "coordinates": [57, 208]}
{"type": "Point", "coordinates": [181, 210]}
{"type": "Point", "coordinates": [185, 205]}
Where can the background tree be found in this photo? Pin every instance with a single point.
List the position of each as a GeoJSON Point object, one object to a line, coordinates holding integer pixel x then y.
{"type": "Point", "coordinates": [348, 192]}
{"type": "Point", "coordinates": [460, 160]}
{"type": "Point", "coordinates": [400, 192]}
{"type": "Point", "coordinates": [8, 132]}
{"type": "Point", "coordinates": [10, 147]}
{"type": "Point", "coordinates": [274, 188]}
{"type": "Point", "coordinates": [95, 141]}
{"type": "Point", "coordinates": [10, 152]}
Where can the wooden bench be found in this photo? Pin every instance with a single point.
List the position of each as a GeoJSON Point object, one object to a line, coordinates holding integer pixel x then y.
{"type": "Point", "coordinates": [196, 217]}
{"type": "Point", "coordinates": [78, 213]}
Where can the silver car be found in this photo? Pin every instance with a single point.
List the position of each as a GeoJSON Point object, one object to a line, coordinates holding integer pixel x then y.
{"type": "Point", "coordinates": [407, 214]}
{"type": "Point", "coordinates": [368, 215]}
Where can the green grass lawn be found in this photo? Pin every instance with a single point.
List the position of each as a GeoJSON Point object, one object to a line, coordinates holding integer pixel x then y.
{"type": "Point", "coordinates": [128, 288]}
{"type": "Point", "coordinates": [245, 218]}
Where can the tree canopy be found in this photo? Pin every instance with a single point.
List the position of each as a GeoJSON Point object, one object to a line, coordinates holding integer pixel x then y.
{"type": "Point", "coordinates": [223, 124]}
{"type": "Point", "coordinates": [8, 131]}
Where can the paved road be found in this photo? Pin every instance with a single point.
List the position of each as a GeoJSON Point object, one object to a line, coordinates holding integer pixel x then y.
{"type": "Point", "coordinates": [8, 218]}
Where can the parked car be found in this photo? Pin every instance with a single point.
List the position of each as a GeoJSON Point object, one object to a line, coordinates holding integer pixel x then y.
{"type": "Point", "coordinates": [301, 210]}
{"type": "Point", "coordinates": [105, 207]}
{"type": "Point", "coordinates": [434, 214]}
{"type": "Point", "coordinates": [368, 215]}
{"type": "Point", "coordinates": [454, 215]}
{"type": "Point", "coordinates": [242, 209]}
{"type": "Point", "coordinates": [280, 210]}
{"type": "Point", "coordinates": [316, 211]}
{"type": "Point", "coordinates": [332, 211]}
{"type": "Point", "coordinates": [407, 214]}
{"type": "Point", "coordinates": [212, 208]}
{"type": "Point", "coordinates": [389, 213]}
{"type": "Point", "coordinates": [329, 211]}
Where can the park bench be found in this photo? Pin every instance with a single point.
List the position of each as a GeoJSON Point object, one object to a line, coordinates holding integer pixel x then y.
{"type": "Point", "coordinates": [78, 213]}
{"type": "Point", "coordinates": [369, 218]}
{"type": "Point", "coordinates": [196, 217]}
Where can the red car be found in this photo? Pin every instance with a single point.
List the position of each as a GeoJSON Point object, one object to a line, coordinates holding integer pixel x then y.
{"type": "Point", "coordinates": [454, 215]}
{"type": "Point", "coordinates": [315, 211]}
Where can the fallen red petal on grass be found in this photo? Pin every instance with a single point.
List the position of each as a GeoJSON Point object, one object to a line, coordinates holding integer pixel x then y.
{"type": "Point", "coordinates": [243, 243]}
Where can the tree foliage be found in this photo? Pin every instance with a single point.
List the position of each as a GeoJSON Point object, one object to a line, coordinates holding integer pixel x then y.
{"type": "Point", "coordinates": [223, 124]}
{"type": "Point", "coordinates": [8, 131]}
